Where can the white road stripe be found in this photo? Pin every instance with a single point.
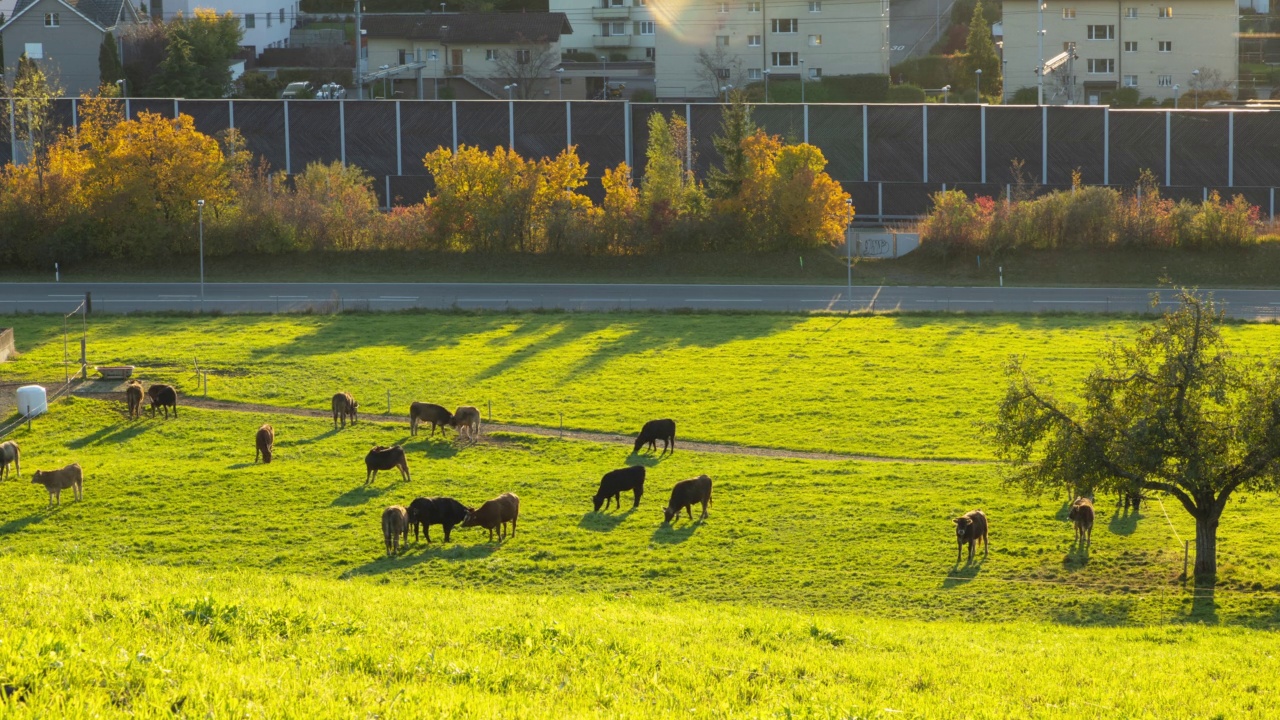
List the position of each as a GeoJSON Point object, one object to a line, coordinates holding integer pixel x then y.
{"type": "Point", "coordinates": [608, 300]}
{"type": "Point", "coordinates": [528, 300]}
{"type": "Point", "coordinates": [397, 297]}
{"type": "Point", "coordinates": [1099, 302]}
{"type": "Point", "coordinates": [716, 300]}
{"type": "Point", "coordinates": [69, 296]}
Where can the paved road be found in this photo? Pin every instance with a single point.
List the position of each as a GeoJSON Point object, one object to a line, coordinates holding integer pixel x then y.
{"type": "Point", "coordinates": [913, 27]}
{"type": "Point", "coordinates": [285, 297]}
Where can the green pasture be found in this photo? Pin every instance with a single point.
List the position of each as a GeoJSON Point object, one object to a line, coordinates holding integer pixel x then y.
{"type": "Point", "coordinates": [866, 538]}
{"type": "Point", "coordinates": [892, 386]}
{"type": "Point", "coordinates": [85, 637]}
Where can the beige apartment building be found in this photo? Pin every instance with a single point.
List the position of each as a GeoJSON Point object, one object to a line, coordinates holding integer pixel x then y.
{"type": "Point", "coordinates": [616, 30]}
{"type": "Point", "coordinates": [706, 45]}
{"type": "Point", "coordinates": [1167, 49]}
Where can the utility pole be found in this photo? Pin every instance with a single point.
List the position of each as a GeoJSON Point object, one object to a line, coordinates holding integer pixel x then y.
{"type": "Point", "coordinates": [1040, 68]}
{"type": "Point", "coordinates": [359, 76]}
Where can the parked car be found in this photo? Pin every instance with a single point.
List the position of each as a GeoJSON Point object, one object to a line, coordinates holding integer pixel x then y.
{"type": "Point", "coordinates": [300, 90]}
{"type": "Point", "coordinates": [331, 91]}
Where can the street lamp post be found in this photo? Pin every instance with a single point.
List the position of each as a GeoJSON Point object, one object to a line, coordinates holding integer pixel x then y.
{"type": "Point", "coordinates": [435, 73]}
{"type": "Point", "coordinates": [1040, 67]}
{"type": "Point", "coordinates": [385, 92]}
{"type": "Point", "coordinates": [848, 248]}
{"type": "Point", "coordinates": [766, 85]}
{"type": "Point", "coordinates": [509, 88]}
{"type": "Point", "coordinates": [802, 81]}
{"type": "Point", "coordinates": [200, 213]}
{"type": "Point", "coordinates": [1176, 88]}
{"type": "Point", "coordinates": [978, 74]}
{"type": "Point", "coordinates": [946, 94]}
{"type": "Point", "coordinates": [560, 80]}
{"type": "Point", "coordinates": [123, 89]}
{"type": "Point", "coordinates": [1195, 86]}
{"type": "Point", "coordinates": [725, 89]}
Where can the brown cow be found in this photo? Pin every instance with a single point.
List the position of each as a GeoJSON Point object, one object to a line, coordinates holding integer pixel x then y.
{"type": "Point", "coordinates": [467, 418]}
{"type": "Point", "coordinates": [685, 494]}
{"type": "Point", "coordinates": [163, 396]}
{"type": "Point", "coordinates": [385, 458]}
{"type": "Point", "coordinates": [1082, 517]}
{"type": "Point", "coordinates": [266, 444]}
{"type": "Point", "coordinates": [421, 412]}
{"type": "Point", "coordinates": [344, 406]}
{"type": "Point", "coordinates": [970, 528]}
{"type": "Point", "coordinates": [55, 481]}
{"type": "Point", "coordinates": [395, 524]}
{"type": "Point", "coordinates": [9, 453]}
{"type": "Point", "coordinates": [133, 397]}
{"type": "Point", "coordinates": [495, 513]}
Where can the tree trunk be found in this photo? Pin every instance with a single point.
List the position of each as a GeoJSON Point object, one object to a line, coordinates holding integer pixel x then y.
{"type": "Point", "coordinates": [1207, 542]}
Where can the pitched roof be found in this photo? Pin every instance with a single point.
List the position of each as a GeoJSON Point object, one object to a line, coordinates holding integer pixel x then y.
{"type": "Point", "coordinates": [103, 13]}
{"type": "Point", "coordinates": [469, 28]}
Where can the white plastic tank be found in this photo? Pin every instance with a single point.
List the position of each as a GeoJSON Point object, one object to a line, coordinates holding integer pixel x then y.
{"type": "Point", "coordinates": [32, 400]}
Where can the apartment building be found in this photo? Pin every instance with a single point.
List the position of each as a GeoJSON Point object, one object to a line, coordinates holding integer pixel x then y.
{"type": "Point", "coordinates": [266, 24]}
{"type": "Point", "coordinates": [704, 46]}
{"type": "Point", "coordinates": [615, 29]}
{"type": "Point", "coordinates": [1165, 50]}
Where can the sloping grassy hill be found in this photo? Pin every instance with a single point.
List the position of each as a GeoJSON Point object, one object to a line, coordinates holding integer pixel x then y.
{"type": "Point", "coordinates": [886, 386]}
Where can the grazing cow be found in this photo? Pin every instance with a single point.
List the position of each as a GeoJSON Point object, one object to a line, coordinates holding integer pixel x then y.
{"type": "Point", "coordinates": [344, 406]}
{"type": "Point", "coordinates": [616, 482]}
{"type": "Point", "coordinates": [9, 453]}
{"type": "Point", "coordinates": [1082, 517]}
{"type": "Point", "coordinates": [55, 481]}
{"type": "Point", "coordinates": [970, 528]}
{"type": "Point", "coordinates": [266, 442]}
{"type": "Point", "coordinates": [468, 418]}
{"type": "Point", "coordinates": [133, 396]}
{"type": "Point", "coordinates": [655, 430]}
{"type": "Point", "coordinates": [685, 495]}
{"type": "Point", "coordinates": [495, 513]}
{"type": "Point", "coordinates": [163, 396]}
{"type": "Point", "coordinates": [395, 523]}
{"type": "Point", "coordinates": [426, 512]}
{"type": "Point", "coordinates": [421, 412]}
{"type": "Point", "coordinates": [385, 458]}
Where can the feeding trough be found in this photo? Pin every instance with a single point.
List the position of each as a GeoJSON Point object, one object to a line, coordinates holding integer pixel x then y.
{"type": "Point", "coordinates": [115, 372]}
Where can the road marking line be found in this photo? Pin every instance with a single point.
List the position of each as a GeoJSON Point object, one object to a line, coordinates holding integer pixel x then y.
{"type": "Point", "coordinates": [1099, 302]}
{"type": "Point", "coordinates": [397, 297]}
{"type": "Point", "coordinates": [176, 297]}
{"type": "Point", "coordinates": [289, 297]}
{"type": "Point", "coordinates": [495, 300]}
{"type": "Point", "coordinates": [68, 296]}
{"type": "Point", "coordinates": [608, 300]}
{"type": "Point", "coordinates": [717, 300]}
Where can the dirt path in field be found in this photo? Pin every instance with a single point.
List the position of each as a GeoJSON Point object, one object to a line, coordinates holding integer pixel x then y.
{"type": "Point", "coordinates": [583, 435]}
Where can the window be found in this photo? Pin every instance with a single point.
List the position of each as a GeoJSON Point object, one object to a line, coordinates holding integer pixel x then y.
{"type": "Point", "coordinates": [1130, 81]}
{"type": "Point", "coordinates": [753, 41]}
{"type": "Point", "coordinates": [722, 73]}
{"type": "Point", "coordinates": [615, 3]}
{"type": "Point", "coordinates": [1164, 80]}
{"type": "Point", "coordinates": [281, 16]}
{"type": "Point", "coordinates": [524, 56]}
{"type": "Point", "coordinates": [786, 59]}
{"type": "Point", "coordinates": [650, 53]}
{"type": "Point", "coordinates": [722, 8]}
{"type": "Point", "coordinates": [34, 51]}
{"type": "Point", "coordinates": [617, 28]}
{"type": "Point", "coordinates": [815, 41]}
{"type": "Point", "coordinates": [1166, 46]}
{"type": "Point", "coordinates": [1130, 46]}
{"type": "Point", "coordinates": [753, 7]}
{"type": "Point", "coordinates": [1101, 66]}
{"type": "Point", "coordinates": [1102, 32]}
{"type": "Point", "coordinates": [754, 74]}
{"type": "Point", "coordinates": [644, 27]}
{"type": "Point", "coordinates": [1166, 12]}
{"type": "Point", "coordinates": [1068, 13]}
{"type": "Point", "coordinates": [722, 41]}
{"type": "Point", "coordinates": [785, 26]}
{"type": "Point", "coordinates": [815, 73]}
{"type": "Point", "coordinates": [250, 21]}
{"type": "Point", "coordinates": [815, 6]}
{"type": "Point", "coordinates": [490, 55]}
{"type": "Point", "coordinates": [51, 20]}
{"type": "Point", "coordinates": [642, 3]}
{"type": "Point", "coordinates": [1131, 13]}
{"type": "Point", "coordinates": [268, 17]}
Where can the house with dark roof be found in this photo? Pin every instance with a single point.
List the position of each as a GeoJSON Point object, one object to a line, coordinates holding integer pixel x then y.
{"type": "Point", "coordinates": [472, 55]}
{"type": "Point", "coordinates": [63, 37]}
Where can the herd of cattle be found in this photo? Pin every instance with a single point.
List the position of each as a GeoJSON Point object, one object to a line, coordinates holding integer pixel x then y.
{"type": "Point", "coordinates": [496, 514]}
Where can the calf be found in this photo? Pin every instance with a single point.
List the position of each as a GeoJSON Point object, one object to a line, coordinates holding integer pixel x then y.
{"type": "Point", "coordinates": [395, 523]}
{"type": "Point", "coordinates": [467, 418]}
{"type": "Point", "coordinates": [1082, 517]}
{"type": "Point", "coordinates": [133, 397]}
{"type": "Point", "coordinates": [9, 453]}
{"type": "Point", "coordinates": [163, 396]}
{"type": "Point", "coordinates": [55, 481]}
{"type": "Point", "coordinates": [616, 482]}
{"type": "Point", "coordinates": [421, 412]}
{"type": "Point", "coordinates": [266, 443]}
{"type": "Point", "coordinates": [655, 430]}
{"type": "Point", "coordinates": [495, 513]}
{"type": "Point", "coordinates": [971, 527]}
{"type": "Point", "coordinates": [685, 495]}
{"type": "Point", "coordinates": [343, 406]}
{"type": "Point", "coordinates": [426, 512]}
{"type": "Point", "coordinates": [385, 458]}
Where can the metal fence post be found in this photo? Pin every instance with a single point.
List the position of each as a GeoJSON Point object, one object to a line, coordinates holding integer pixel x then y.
{"type": "Point", "coordinates": [924, 141]}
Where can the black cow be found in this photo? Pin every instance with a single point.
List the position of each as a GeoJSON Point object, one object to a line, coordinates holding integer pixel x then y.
{"type": "Point", "coordinates": [685, 494]}
{"type": "Point", "coordinates": [970, 528]}
{"type": "Point", "coordinates": [163, 396]}
{"type": "Point", "coordinates": [616, 482]}
{"type": "Point", "coordinates": [655, 430]}
{"type": "Point", "coordinates": [444, 511]}
{"type": "Point", "coordinates": [385, 458]}
{"type": "Point", "coordinates": [424, 413]}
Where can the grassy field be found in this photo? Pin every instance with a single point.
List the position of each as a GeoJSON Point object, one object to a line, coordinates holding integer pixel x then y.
{"type": "Point", "coordinates": [910, 386]}
{"type": "Point", "coordinates": [1258, 266]}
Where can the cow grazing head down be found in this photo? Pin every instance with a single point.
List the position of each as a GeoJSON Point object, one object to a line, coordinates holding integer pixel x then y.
{"type": "Point", "coordinates": [668, 514]}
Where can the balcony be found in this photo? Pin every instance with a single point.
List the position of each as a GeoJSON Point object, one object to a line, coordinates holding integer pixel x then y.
{"type": "Point", "coordinates": [618, 12]}
{"type": "Point", "coordinates": [611, 41]}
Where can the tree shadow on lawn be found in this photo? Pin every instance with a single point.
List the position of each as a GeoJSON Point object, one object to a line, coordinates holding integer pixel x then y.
{"type": "Point", "coordinates": [1204, 608]}
{"type": "Point", "coordinates": [435, 551]}
{"type": "Point", "coordinates": [1101, 612]}
{"type": "Point", "coordinates": [604, 521]}
{"type": "Point", "coordinates": [1123, 524]}
{"type": "Point", "coordinates": [962, 574]}
{"type": "Point", "coordinates": [668, 534]}
{"type": "Point", "coordinates": [362, 493]}
{"type": "Point", "coordinates": [113, 434]}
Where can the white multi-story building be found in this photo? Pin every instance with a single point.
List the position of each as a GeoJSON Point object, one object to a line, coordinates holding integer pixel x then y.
{"type": "Point", "coordinates": [1163, 49]}
{"type": "Point", "coordinates": [266, 23]}
{"type": "Point", "coordinates": [615, 29]}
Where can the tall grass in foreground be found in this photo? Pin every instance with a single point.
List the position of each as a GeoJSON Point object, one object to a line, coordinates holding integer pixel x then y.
{"type": "Point", "coordinates": [86, 639]}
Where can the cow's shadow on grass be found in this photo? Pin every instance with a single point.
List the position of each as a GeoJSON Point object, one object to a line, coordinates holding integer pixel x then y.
{"type": "Point", "coordinates": [362, 493]}
{"type": "Point", "coordinates": [1064, 512]}
{"type": "Point", "coordinates": [669, 534]}
{"type": "Point", "coordinates": [19, 524]}
{"type": "Point", "coordinates": [1077, 556]}
{"type": "Point", "coordinates": [436, 449]}
{"type": "Point", "coordinates": [241, 465]}
{"type": "Point", "coordinates": [644, 458]}
{"type": "Point", "coordinates": [604, 521]}
{"type": "Point", "coordinates": [418, 553]}
{"type": "Point", "coordinates": [1123, 524]}
{"type": "Point", "coordinates": [963, 574]}
{"type": "Point", "coordinates": [113, 434]}
{"type": "Point", "coordinates": [308, 441]}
